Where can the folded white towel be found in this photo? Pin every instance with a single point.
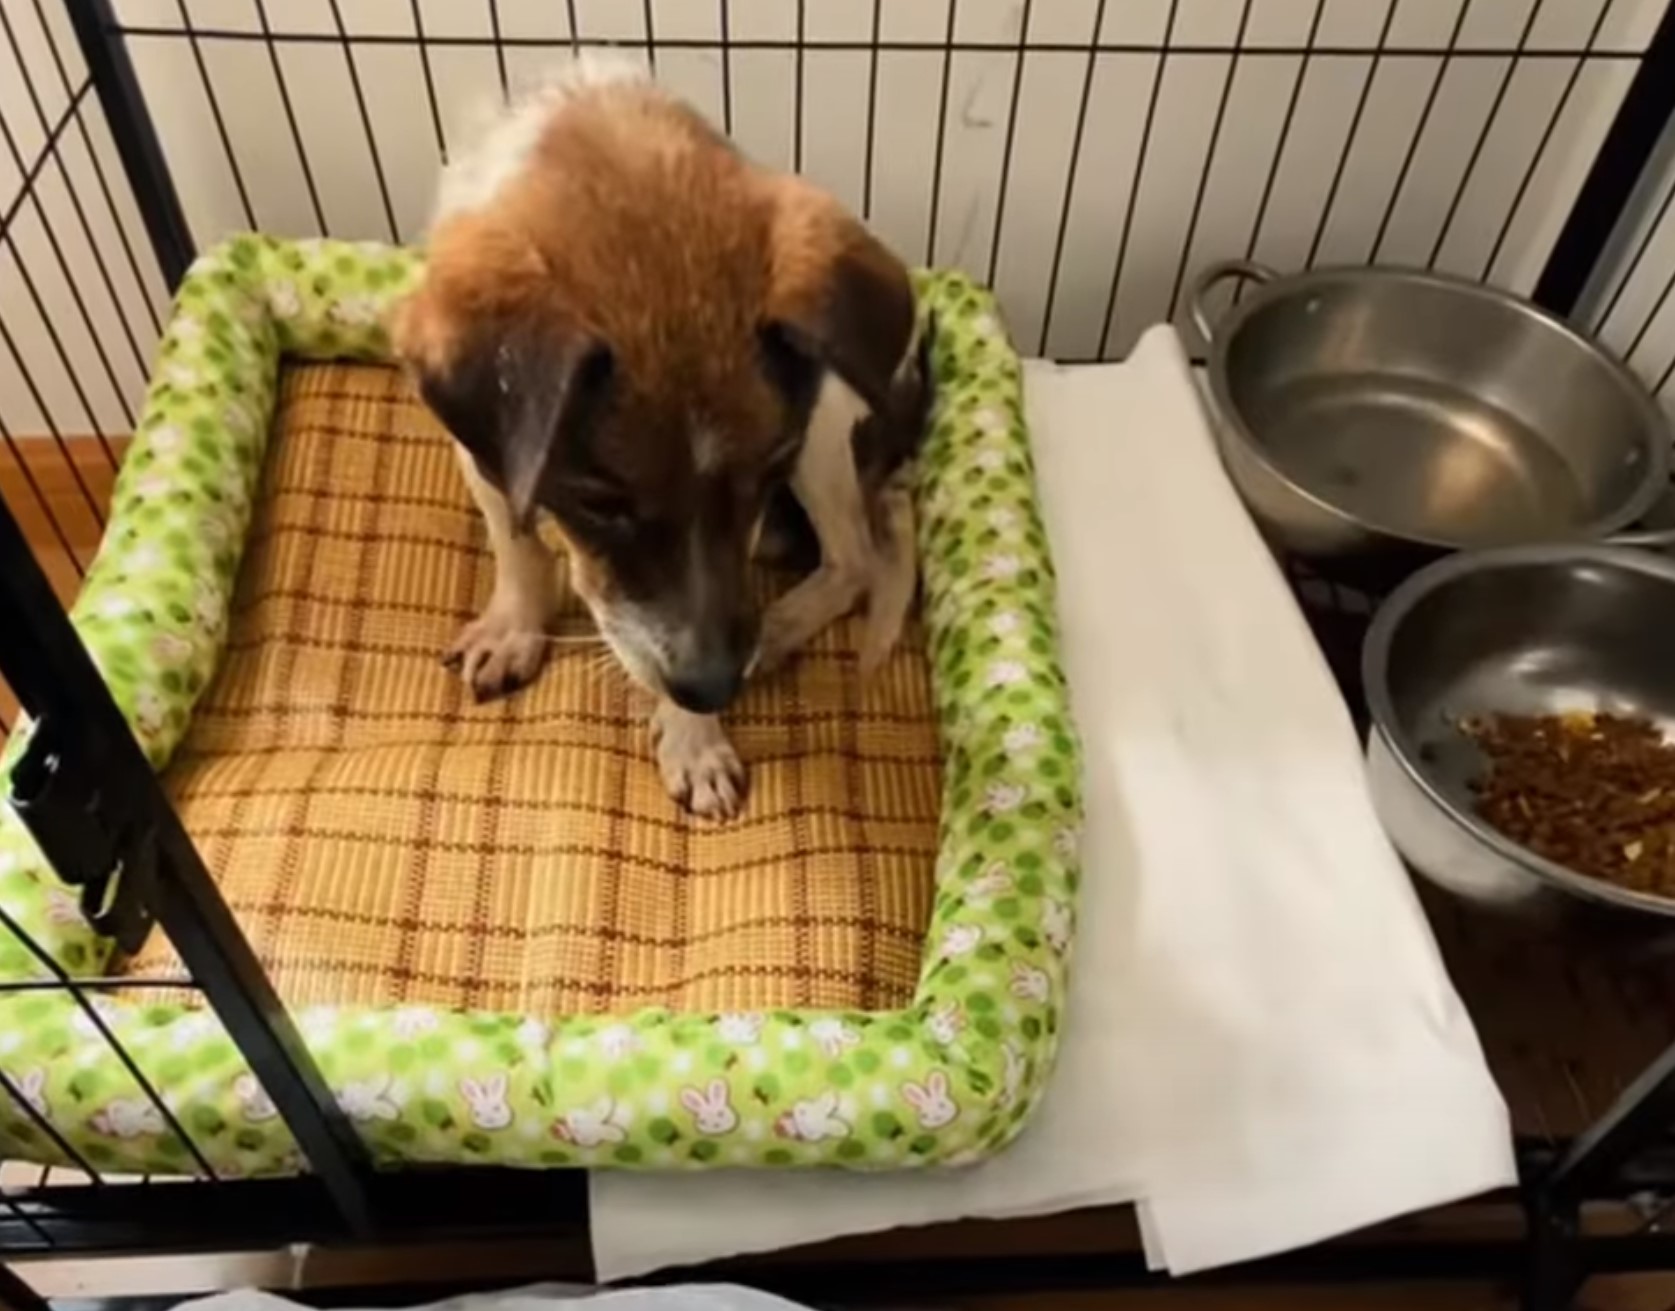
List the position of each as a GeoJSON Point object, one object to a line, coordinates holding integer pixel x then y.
{"type": "Point", "coordinates": [1261, 1044]}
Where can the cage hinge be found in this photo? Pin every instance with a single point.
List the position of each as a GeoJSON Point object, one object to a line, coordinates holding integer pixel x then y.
{"type": "Point", "coordinates": [93, 844]}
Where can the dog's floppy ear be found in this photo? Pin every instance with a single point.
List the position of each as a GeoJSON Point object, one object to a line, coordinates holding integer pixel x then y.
{"type": "Point", "coordinates": [515, 391]}
{"type": "Point", "coordinates": [835, 294]}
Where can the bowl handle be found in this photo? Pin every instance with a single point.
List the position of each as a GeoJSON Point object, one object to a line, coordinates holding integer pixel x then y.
{"type": "Point", "coordinates": [1647, 539]}
{"type": "Point", "coordinates": [1242, 270]}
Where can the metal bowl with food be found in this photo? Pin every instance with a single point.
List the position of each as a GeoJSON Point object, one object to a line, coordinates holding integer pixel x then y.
{"type": "Point", "coordinates": [1375, 418]}
{"type": "Point", "coordinates": [1546, 631]}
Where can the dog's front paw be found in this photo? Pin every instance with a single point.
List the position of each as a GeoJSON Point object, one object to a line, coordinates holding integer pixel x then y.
{"type": "Point", "coordinates": [699, 766]}
{"type": "Point", "coordinates": [497, 653]}
{"type": "Point", "coordinates": [773, 646]}
{"type": "Point", "coordinates": [785, 631]}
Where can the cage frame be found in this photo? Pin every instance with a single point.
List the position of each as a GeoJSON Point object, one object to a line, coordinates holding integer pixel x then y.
{"type": "Point", "coordinates": [79, 737]}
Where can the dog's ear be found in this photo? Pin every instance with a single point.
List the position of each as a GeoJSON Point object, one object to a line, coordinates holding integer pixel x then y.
{"type": "Point", "coordinates": [836, 296]}
{"type": "Point", "coordinates": [518, 393]}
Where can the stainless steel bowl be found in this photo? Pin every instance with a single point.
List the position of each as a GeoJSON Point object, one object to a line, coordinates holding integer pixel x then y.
{"type": "Point", "coordinates": [1522, 630]}
{"type": "Point", "coordinates": [1387, 416]}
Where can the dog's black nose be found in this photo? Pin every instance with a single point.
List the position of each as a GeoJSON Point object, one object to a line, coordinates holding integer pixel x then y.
{"type": "Point", "coordinates": [708, 688]}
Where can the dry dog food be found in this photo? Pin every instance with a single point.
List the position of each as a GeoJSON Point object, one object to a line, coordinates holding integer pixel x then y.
{"type": "Point", "coordinates": [1594, 793]}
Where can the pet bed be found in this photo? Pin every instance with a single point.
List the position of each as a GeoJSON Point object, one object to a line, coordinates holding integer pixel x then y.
{"type": "Point", "coordinates": [383, 840]}
{"type": "Point", "coordinates": [516, 1068]}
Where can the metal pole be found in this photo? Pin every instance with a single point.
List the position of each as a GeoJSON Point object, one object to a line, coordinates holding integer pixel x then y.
{"type": "Point", "coordinates": [1642, 1113]}
{"type": "Point", "coordinates": [43, 659]}
{"type": "Point", "coordinates": [1618, 167]}
{"type": "Point", "coordinates": [118, 88]}
{"type": "Point", "coordinates": [1554, 1273]}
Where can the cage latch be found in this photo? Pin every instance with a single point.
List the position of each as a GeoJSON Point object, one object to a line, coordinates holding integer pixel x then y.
{"type": "Point", "coordinates": [94, 845]}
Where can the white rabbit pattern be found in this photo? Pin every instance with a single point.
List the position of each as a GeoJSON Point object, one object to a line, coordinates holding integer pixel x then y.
{"type": "Point", "coordinates": [995, 881]}
{"type": "Point", "coordinates": [149, 713]}
{"type": "Point", "coordinates": [1022, 739]}
{"type": "Point", "coordinates": [128, 1117]}
{"type": "Point", "coordinates": [1002, 568]}
{"type": "Point", "coordinates": [253, 1099]}
{"type": "Point", "coordinates": [62, 908]}
{"type": "Point", "coordinates": [961, 940]}
{"type": "Point", "coordinates": [165, 439]}
{"type": "Point", "coordinates": [932, 1104]}
{"type": "Point", "coordinates": [171, 649]}
{"type": "Point", "coordinates": [284, 300]}
{"type": "Point", "coordinates": [832, 1036]}
{"type": "Point", "coordinates": [1003, 798]}
{"type": "Point", "coordinates": [592, 1126]}
{"type": "Point", "coordinates": [618, 1040]}
{"type": "Point", "coordinates": [532, 1035]}
{"type": "Point", "coordinates": [354, 312]}
{"type": "Point", "coordinates": [31, 1085]}
{"type": "Point", "coordinates": [86, 1026]}
{"type": "Point", "coordinates": [946, 1023]}
{"type": "Point", "coordinates": [1030, 984]}
{"type": "Point", "coordinates": [1006, 673]}
{"type": "Point", "coordinates": [414, 1022]}
{"type": "Point", "coordinates": [711, 1111]}
{"type": "Point", "coordinates": [1012, 1076]}
{"type": "Point", "coordinates": [742, 1029]}
{"type": "Point", "coordinates": [813, 1120]}
{"type": "Point", "coordinates": [1055, 925]}
{"type": "Point", "coordinates": [210, 611]}
{"type": "Point", "coordinates": [366, 1100]}
{"type": "Point", "coordinates": [487, 1100]}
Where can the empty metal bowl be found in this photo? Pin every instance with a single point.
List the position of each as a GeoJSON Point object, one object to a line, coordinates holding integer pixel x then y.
{"type": "Point", "coordinates": [1523, 630]}
{"type": "Point", "coordinates": [1385, 416]}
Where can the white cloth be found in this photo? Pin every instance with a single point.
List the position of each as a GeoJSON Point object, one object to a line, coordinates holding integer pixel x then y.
{"type": "Point", "coordinates": [1262, 1047]}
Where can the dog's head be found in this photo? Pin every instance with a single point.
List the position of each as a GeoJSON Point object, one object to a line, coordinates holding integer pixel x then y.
{"type": "Point", "coordinates": [653, 421]}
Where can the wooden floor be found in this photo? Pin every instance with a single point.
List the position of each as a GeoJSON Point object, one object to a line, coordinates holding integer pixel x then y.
{"type": "Point", "coordinates": [59, 493]}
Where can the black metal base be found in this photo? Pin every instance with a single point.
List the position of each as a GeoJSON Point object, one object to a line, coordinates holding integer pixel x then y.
{"type": "Point", "coordinates": [423, 1209]}
{"type": "Point", "coordinates": [253, 1215]}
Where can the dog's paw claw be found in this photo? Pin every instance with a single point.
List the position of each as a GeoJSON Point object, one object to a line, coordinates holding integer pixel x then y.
{"type": "Point", "coordinates": [700, 769]}
{"type": "Point", "coordinates": [496, 654]}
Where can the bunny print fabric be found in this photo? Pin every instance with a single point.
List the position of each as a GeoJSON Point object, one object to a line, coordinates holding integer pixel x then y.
{"type": "Point", "coordinates": [946, 1081]}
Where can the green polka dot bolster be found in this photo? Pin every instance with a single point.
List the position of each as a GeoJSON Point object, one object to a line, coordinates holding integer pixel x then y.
{"type": "Point", "coordinates": [945, 1081]}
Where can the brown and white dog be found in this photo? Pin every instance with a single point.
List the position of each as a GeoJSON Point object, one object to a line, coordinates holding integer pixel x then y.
{"type": "Point", "coordinates": [628, 326]}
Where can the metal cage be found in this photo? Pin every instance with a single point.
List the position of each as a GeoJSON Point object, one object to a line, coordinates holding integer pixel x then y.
{"type": "Point", "coordinates": [1084, 157]}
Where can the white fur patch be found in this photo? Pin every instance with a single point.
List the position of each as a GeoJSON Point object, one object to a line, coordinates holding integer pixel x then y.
{"type": "Point", "coordinates": [501, 149]}
{"type": "Point", "coordinates": [825, 480]}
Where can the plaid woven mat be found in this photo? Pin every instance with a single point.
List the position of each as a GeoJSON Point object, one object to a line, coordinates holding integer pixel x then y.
{"type": "Point", "coordinates": [383, 839]}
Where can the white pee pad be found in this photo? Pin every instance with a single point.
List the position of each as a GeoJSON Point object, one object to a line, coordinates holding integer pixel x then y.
{"type": "Point", "coordinates": [1261, 1046]}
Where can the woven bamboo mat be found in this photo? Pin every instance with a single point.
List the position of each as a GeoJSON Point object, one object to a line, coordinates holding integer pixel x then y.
{"type": "Point", "coordinates": [383, 839]}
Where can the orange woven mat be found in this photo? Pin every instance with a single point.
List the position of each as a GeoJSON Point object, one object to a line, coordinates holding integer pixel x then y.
{"type": "Point", "coordinates": [384, 839]}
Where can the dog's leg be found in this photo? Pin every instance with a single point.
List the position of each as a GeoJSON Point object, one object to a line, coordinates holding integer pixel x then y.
{"type": "Point", "coordinates": [699, 766]}
{"type": "Point", "coordinates": [829, 489]}
{"type": "Point", "coordinates": [505, 646]}
{"type": "Point", "coordinates": [895, 578]}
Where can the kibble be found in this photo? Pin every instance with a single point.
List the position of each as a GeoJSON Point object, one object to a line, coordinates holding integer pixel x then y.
{"type": "Point", "coordinates": [1594, 793]}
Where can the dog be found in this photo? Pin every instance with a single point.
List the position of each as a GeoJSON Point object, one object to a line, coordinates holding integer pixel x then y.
{"type": "Point", "coordinates": [675, 354]}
